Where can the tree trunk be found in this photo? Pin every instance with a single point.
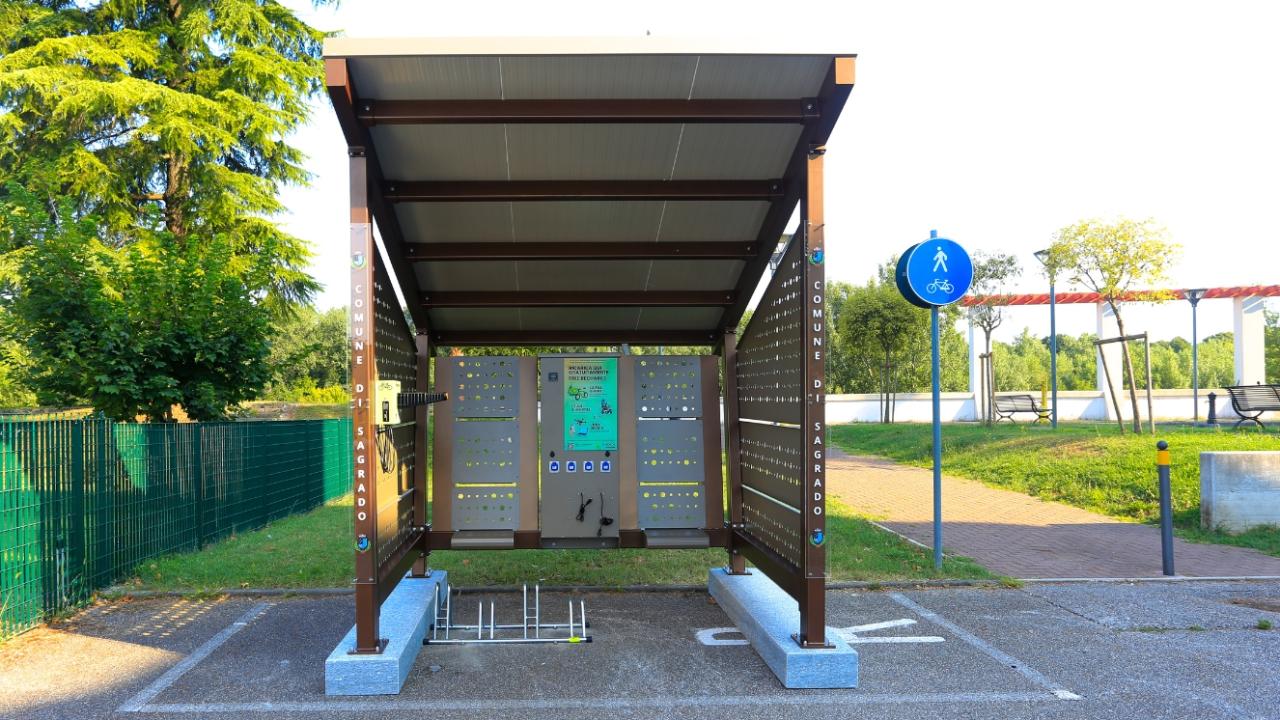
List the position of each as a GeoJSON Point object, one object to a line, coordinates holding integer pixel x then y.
{"type": "Point", "coordinates": [1128, 366]}
{"type": "Point", "coordinates": [989, 380]}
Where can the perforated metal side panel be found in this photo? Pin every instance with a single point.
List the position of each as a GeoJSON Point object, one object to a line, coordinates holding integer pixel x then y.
{"type": "Point", "coordinates": [486, 507]}
{"type": "Point", "coordinates": [395, 356]}
{"type": "Point", "coordinates": [668, 386]}
{"type": "Point", "coordinates": [779, 527]}
{"type": "Point", "coordinates": [770, 362]}
{"type": "Point", "coordinates": [486, 452]}
{"type": "Point", "coordinates": [484, 387]}
{"type": "Point", "coordinates": [771, 461]}
{"type": "Point", "coordinates": [669, 458]}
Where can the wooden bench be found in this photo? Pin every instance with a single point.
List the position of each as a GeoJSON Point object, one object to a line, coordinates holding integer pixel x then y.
{"type": "Point", "coordinates": [1007, 405]}
{"type": "Point", "coordinates": [1250, 401]}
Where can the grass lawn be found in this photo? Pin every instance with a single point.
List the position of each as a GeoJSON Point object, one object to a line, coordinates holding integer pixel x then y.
{"type": "Point", "coordinates": [1090, 465]}
{"type": "Point", "coordinates": [315, 550]}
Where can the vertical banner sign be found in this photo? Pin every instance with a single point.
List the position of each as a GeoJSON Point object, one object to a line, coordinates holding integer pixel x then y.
{"type": "Point", "coordinates": [815, 426]}
{"type": "Point", "coordinates": [362, 382]}
{"type": "Point", "coordinates": [590, 404]}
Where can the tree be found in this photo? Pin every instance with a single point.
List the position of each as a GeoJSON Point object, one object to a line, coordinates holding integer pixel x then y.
{"type": "Point", "coordinates": [1272, 343]}
{"type": "Point", "coordinates": [991, 275]}
{"type": "Point", "coordinates": [153, 134]}
{"type": "Point", "coordinates": [1115, 260]}
{"type": "Point", "coordinates": [162, 116]}
{"type": "Point", "coordinates": [309, 350]}
{"type": "Point", "coordinates": [102, 323]}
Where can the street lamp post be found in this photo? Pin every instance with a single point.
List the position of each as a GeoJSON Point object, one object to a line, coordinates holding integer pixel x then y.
{"type": "Point", "coordinates": [1043, 257]}
{"type": "Point", "coordinates": [1193, 296]}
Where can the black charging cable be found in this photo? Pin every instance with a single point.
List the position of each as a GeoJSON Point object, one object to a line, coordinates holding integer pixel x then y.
{"type": "Point", "coordinates": [604, 521]}
{"type": "Point", "coordinates": [583, 502]}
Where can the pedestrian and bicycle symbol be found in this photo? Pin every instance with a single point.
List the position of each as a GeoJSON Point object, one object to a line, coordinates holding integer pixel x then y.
{"type": "Point", "coordinates": [934, 273]}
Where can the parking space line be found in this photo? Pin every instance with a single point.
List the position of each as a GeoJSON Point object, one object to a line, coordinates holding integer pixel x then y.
{"type": "Point", "coordinates": [162, 683]}
{"type": "Point", "coordinates": [791, 698]}
{"type": "Point", "coordinates": [986, 648]}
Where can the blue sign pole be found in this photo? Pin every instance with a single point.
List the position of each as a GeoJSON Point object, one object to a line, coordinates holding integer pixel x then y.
{"type": "Point", "coordinates": [932, 274]}
{"type": "Point", "coordinates": [937, 440]}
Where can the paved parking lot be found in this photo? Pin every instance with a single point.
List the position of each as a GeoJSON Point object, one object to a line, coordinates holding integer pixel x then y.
{"type": "Point", "coordinates": [1070, 651]}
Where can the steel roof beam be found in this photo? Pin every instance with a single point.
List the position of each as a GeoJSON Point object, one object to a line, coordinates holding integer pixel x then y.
{"type": "Point", "coordinates": [553, 190]}
{"type": "Point", "coordinates": [456, 112]}
{"type": "Point", "coordinates": [480, 251]}
{"type": "Point", "coordinates": [566, 298]}
{"type": "Point", "coordinates": [457, 338]}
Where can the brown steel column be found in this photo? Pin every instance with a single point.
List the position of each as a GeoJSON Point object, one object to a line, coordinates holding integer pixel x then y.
{"type": "Point", "coordinates": [712, 438]}
{"type": "Point", "coordinates": [733, 447]}
{"type": "Point", "coordinates": [420, 454]}
{"type": "Point", "coordinates": [363, 377]}
{"type": "Point", "coordinates": [814, 570]}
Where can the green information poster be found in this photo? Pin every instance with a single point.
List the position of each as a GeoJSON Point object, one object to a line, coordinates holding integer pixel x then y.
{"type": "Point", "coordinates": [590, 403]}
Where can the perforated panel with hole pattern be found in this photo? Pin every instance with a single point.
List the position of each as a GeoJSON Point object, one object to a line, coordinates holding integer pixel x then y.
{"type": "Point", "coordinates": [780, 528]}
{"type": "Point", "coordinates": [668, 386]}
{"type": "Point", "coordinates": [486, 507]}
{"type": "Point", "coordinates": [396, 357]}
{"type": "Point", "coordinates": [484, 387]}
{"type": "Point", "coordinates": [770, 368]}
{"type": "Point", "coordinates": [670, 470]}
{"type": "Point", "coordinates": [771, 457]}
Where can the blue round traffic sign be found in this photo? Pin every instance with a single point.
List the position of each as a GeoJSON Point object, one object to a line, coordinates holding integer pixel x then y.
{"type": "Point", "coordinates": [933, 273]}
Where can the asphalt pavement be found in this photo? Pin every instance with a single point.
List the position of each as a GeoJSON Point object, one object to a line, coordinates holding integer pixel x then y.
{"type": "Point", "coordinates": [1078, 650]}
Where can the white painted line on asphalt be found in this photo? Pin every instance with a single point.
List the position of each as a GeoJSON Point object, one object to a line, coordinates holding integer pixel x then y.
{"type": "Point", "coordinates": [878, 625]}
{"type": "Point", "coordinates": [138, 702]}
{"type": "Point", "coordinates": [790, 698]}
{"type": "Point", "coordinates": [707, 636]}
{"type": "Point", "coordinates": [850, 634]}
{"type": "Point", "coordinates": [986, 648]}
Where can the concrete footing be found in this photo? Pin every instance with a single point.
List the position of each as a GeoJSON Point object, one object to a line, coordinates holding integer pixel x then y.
{"type": "Point", "coordinates": [407, 615]}
{"type": "Point", "coordinates": [768, 617]}
{"type": "Point", "coordinates": [1239, 490]}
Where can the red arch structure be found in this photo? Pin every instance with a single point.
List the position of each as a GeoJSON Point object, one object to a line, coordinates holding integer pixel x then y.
{"type": "Point", "coordinates": [1070, 298]}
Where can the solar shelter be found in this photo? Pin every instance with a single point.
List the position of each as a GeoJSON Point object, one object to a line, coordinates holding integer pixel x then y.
{"type": "Point", "coordinates": [583, 193]}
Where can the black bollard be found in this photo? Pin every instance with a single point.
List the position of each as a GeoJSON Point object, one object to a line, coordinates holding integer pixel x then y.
{"type": "Point", "coordinates": [1166, 507]}
{"type": "Point", "coordinates": [1213, 409]}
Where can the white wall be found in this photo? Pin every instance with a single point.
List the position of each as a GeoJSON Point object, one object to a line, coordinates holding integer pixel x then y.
{"type": "Point", "coordinates": [1072, 405]}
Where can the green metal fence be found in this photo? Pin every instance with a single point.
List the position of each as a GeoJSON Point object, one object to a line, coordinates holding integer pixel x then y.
{"type": "Point", "coordinates": [83, 501]}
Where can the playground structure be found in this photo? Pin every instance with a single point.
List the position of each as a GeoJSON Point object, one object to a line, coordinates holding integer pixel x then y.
{"type": "Point", "coordinates": [580, 193]}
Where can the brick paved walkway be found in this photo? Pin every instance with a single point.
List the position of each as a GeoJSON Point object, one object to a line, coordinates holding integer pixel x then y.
{"type": "Point", "coordinates": [1018, 535]}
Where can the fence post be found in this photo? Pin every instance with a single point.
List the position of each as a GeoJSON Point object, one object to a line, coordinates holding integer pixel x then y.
{"type": "Point", "coordinates": [1166, 507]}
{"type": "Point", "coordinates": [197, 457]}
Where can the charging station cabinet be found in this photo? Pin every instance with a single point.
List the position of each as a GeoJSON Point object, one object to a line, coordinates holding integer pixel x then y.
{"type": "Point", "coordinates": [579, 450]}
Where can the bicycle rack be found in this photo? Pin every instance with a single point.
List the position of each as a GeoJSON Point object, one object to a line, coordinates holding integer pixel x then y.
{"type": "Point", "coordinates": [576, 632]}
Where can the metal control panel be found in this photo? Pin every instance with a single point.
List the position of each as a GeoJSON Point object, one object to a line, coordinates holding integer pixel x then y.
{"type": "Point", "coordinates": [579, 450]}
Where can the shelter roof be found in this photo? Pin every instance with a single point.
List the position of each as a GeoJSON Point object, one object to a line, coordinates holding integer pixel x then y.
{"type": "Point", "coordinates": [582, 190]}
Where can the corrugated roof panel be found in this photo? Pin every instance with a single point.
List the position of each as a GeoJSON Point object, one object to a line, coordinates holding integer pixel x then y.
{"type": "Point", "coordinates": [455, 222]}
{"type": "Point", "coordinates": [473, 319]}
{"type": "Point", "coordinates": [582, 274]}
{"type": "Point", "coordinates": [592, 152]}
{"type": "Point", "coordinates": [713, 221]}
{"type": "Point", "coordinates": [595, 221]}
{"type": "Point", "coordinates": [578, 318]}
{"type": "Point", "coordinates": [426, 78]}
{"type": "Point", "coordinates": [760, 77]}
{"type": "Point", "coordinates": [694, 274]}
{"type": "Point", "coordinates": [441, 152]}
{"type": "Point", "coordinates": [735, 152]}
{"type": "Point", "coordinates": [612, 76]}
{"type": "Point", "coordinates": [482, 276]}
{"type": "Point", "coordinates": [678, 318]}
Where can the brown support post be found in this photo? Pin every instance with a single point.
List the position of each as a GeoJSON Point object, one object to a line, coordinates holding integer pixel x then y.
{"type": "Point", "coordinates": [363, 377]}
{"type": "Point", "coordinates": [813, 616]}
{"type": "Point", "coordinates": [420, 454]}
{"type": "Point", "coordinates": [713, 477]}
{"type": "Point", "coordinates": [733, 448]}
{"type": "Point", "coordinates": [442, 453]}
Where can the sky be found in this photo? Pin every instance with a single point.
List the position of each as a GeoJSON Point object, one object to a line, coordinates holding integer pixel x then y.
{"type": "Point", "coordinates": [995, 123]}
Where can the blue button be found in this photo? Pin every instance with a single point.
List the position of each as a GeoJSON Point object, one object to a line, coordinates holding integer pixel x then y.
{"type": "Point", "coordinates": [554, 466]}
{"type": "Point", "coordinates": [606, 466]}
{"type": "Point", "coordinates": [588, 466]}
{"type": "Point", "coordinates": [571, 466]}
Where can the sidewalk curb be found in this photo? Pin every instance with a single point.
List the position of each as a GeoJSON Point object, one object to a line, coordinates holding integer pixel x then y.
{"type": "Point", "coordinates": [873, 585]}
